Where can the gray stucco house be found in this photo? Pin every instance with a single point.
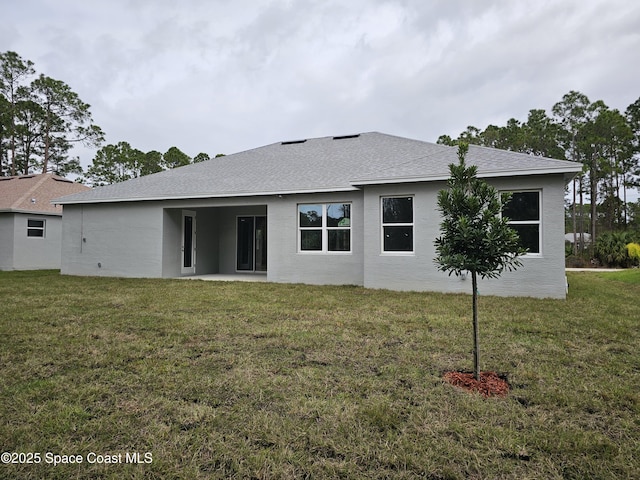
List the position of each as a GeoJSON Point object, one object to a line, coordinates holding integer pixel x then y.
{"type": "Point", "coordinates": [356, 209]}
{"type": "Point", "coordinates": [30, 225]}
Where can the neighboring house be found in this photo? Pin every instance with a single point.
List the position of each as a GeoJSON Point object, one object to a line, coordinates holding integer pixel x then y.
{"type": "Point", "coordinates": [30, 225]}
{"type": "Point", "coordinates": [357, 209]}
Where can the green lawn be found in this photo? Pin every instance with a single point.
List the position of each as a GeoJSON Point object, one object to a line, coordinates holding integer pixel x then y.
{"type": "Point", "coordinates": [267, 381]}
{"type": "Point", "coordinates": [628, 276]}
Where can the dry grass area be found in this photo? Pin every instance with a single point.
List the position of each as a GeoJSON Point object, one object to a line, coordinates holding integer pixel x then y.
{"type": "Point", "coordinates": [267, 381]}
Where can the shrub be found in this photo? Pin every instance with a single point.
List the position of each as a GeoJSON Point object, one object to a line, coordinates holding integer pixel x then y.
{"type": "Point", "coordinates": [633, 251]}
{"type": "Point", "coordinates": [611, 249]}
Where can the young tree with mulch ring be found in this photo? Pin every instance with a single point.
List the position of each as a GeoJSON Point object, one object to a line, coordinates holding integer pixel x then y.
{"type": "Point", "coordinates": [475, 237]}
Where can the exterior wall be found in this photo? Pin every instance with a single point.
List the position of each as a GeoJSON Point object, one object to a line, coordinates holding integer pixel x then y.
{"type": "Point", "coordinates": [404, 271]}
{"type": "Point", "coordinates": [142, 239]}
{"type": "Point", "coordinates": [288, 265]}
{"type": "Point", "coordinates": [113, 239]}
{"type": "Point", "coordinates": [20, 252]}
{"type": "Point", "coordinates": [33, 253]}
{"type": "Point", "coordinates": [216, 238]}
{"type": "Point", "coordinates": [543, 275]}
{"type": "Point", "coordinates": [207, 241]}
{"type": "Point", "coordinates": [171, 242]}
{"type": "Point", "coordinates": [6, 241]}
{"type": "Point", "coordinates": [540, 276]}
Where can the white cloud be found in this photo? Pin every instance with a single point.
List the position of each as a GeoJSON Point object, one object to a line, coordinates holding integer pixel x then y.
{"type": "Point", "coordinates": [221, 76]}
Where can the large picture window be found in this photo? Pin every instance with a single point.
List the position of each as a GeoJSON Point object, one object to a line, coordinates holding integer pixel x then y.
{"type": "Point", "coordinates": [523, 211]}
{"type": "Point", "coordinates": [324, 227]}
{"type": "Point", "coordinates": [35, 227]}
{"type": "Point", "coordinates": [397, 224]}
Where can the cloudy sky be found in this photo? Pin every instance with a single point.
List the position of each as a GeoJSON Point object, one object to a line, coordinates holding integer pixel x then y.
{"type": "Point", "coordinates": [222, 76]}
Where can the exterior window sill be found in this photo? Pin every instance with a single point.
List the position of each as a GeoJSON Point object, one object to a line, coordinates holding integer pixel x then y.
{"type": "Point", "coordinates": [318, 252]}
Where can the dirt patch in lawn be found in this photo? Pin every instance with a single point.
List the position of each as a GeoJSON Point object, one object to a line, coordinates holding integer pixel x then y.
{"type": "Point", "coordinates": [490, 384]}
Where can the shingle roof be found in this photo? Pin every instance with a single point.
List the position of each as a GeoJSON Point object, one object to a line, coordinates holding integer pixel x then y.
{"type": "Point", "coordinates": [34, 193]}
{"type": "Point", "coordinates": [318, 165]}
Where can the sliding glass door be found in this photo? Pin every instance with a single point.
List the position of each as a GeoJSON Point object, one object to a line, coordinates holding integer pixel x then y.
{"type": "Point", "coordinates": [251, 244]}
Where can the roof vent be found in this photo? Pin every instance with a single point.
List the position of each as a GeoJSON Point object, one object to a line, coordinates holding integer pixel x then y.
{"type": "Point", "coordinates": [344, 137]}
{"type": "Point", "coordinates": [293, 142]}
{"type": "Point", "coordinates": [64, 180]}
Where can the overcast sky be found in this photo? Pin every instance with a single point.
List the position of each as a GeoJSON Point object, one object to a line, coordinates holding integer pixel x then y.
{"type": "Point", "coordinates": [220, 76]}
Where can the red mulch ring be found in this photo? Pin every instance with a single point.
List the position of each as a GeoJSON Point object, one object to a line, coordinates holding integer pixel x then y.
{"type": "Point", "coordinates": [489, 385]}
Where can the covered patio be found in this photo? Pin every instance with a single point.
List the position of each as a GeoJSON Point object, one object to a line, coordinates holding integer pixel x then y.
{"type": "Point", "coordinates": [215, 242]}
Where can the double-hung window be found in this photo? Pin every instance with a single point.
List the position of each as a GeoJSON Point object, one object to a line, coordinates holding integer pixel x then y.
{"type": "Point", "coordinates": [397, 224]}
{"type": "Point", "coordinates": [35, 227]}
{"type": "Point", "coordinates": [523, 211]}
{"type": "Point", "coordinates": [324, 227]}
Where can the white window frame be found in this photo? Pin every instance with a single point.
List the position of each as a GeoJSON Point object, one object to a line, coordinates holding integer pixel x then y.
{"type": "Point", "coordinates": [43, 228]}
{"type": "Point", "coordinates": [325, 228]}
{"type": "Point", "coordinates": [412, 225]}
{"type": "Point", "coordinates": [530, 222]}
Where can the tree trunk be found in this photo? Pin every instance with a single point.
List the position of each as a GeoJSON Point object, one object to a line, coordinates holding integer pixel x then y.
{"type": "Point", "coordinates": [624, 201]}
{"type": "Point", "coordinates": [47, 144]}
{"type": "Point", "coordinates": [13, 150]}
{"type": "Point", "coordinates": [581, 226]}
{"type": "Point", "coordinates": [476, 337]}
{"type": "Point", "coordinates": [575, 236]}
{"type": "Point", "coordinates": [593, 191]}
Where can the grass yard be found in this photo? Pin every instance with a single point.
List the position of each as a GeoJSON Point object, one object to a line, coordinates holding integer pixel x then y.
{"type": "Point", "coordinates": [628, 276]}
{"type": "Point", "coordinates": [267, 381]}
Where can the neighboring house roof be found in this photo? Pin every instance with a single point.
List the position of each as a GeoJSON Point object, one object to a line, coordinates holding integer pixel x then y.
{"type": "Point", "coordinates": [324, 164]}
{"type": "Point", "coordinates": [34, 193]}
{"type": "Point", "coordinates": [586, 237]}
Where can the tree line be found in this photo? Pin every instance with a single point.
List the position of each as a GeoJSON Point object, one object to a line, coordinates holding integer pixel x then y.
{"type": "Point", "coordinates": [42, 118]}
{"type": "Point", "coordinates": [604, 140]}
{"type": "Point", "coordinates": [120, 162]}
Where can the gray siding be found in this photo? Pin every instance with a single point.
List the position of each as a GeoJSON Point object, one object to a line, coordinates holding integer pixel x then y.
{"type": "Point", "coordinates": [6, 241]}
{"type": "Point", "coordinates": [171, 242]}
{"type": "Point", "coordinates": [288, 265]}
{"type": "Point", "coordinates": [540, 276]}
{"type": "Point", "coordinates": [207, 241]}
{"type": "Point", "coordinates": [112, 240]}
{"type": "Point", "coordinates": [142, 239]}
{"type": "Point", "coordinates": [20, 252]}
